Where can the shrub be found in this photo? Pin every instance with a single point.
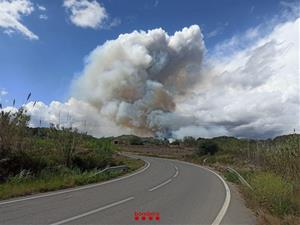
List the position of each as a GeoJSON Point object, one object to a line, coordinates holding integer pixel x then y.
{"type": "Point", "coordinates": [189, 141]}
{"type": "Point", "coordinates": [207, 147]}
{"type": "Point", "coordinates": [19, 161]}
{"type": "Point", "coordinates": [231, 177]}
{"type": "Point", "coordinates": [273, 193]}
{"type": "Point", "coordinates": [135, 141]}
{"type": "Point", "coordinates": [89, 160]}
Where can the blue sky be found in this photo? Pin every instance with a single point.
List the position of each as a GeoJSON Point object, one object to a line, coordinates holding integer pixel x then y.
{"type": "Point", "coordinates": [47, 66]}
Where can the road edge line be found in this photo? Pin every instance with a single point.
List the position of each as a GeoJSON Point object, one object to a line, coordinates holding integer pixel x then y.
{"type": "Point", "coordinates": [226, 203]}
{"type": "Point", "coordinates": [68, 190]}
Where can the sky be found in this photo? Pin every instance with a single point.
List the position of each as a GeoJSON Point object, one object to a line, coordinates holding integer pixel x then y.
{"type": "Point", "coordinates": [60, 51]}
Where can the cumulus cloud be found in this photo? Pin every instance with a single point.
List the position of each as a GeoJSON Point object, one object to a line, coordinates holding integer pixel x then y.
{"type": "Point", "coordinates": [85, 13]}
{"type": "Point", "coordinates": [255, 91]}
{"type": "Point", "coordinates": [11, 13]}
{"type": "Point", "coordinates": [73, 113]}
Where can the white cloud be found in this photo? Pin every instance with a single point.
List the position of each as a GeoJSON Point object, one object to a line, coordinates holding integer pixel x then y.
{"type": "Point", "coordinates": [255, 91]}
{"type": "Point", "coordinates": [86, 13]}
{"type": "Point", "coordinates": [9, 32]}
{"type": "Point", "coordinates": [11, 12]}
{"type": "Point", "coordinates": [43, 17]}
{"type": "Point", "coordinates": [218, 30]}
{"type": "Point", "coordinates": [114, 22]}
{"type": "Point", "coordinates": [3, 92]}
{"type": "Point", "coordinates": [290, 8]}
{"type": "Point", "coordinates": [41, 8]}
{"type": "Point", "coordinates": [73, 113]}
{"type": "Point", "coordinates": [214, 32]}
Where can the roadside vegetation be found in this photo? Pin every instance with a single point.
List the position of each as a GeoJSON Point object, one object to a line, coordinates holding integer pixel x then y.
{"type": "Point", "coordinates": [36, 160]}
{"type": "Point", "coordinates": [270, 167]}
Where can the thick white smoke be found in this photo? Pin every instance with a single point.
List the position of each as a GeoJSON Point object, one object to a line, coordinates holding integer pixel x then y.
{"type": "Point", "coordinates": [135, 79]}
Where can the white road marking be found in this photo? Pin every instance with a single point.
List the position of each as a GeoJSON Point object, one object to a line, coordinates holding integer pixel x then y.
{"type": "Point", "coordinates": [224, 208]}
{"type": "Point", "coordinates": [76, 189]}
{"type": "Point", "coordinates": [177, 172]}
{"type": "Point", "coordinates": [67, 197]}
{"type": "Point", "coordinates": [92, 211]}
{"type": "Point", "coordinates": [160, 185]}
{"type": "Point", "coordinates": [226, 203]}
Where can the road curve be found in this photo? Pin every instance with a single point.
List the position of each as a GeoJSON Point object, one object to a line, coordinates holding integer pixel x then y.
{"type": "Point", "coordinates": [181, 193]}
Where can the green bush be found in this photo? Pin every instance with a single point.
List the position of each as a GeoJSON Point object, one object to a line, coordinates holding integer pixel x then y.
{"type": "Point", "coordinates": [207, 147]}
{"type": "Point", "coordinates": [135, 141]}
{"type": "Point", "coordinates": [19, 161]}
{"type": "Point", "coordinates": [211, 160]}
{"type": "Point", "coordinates": [90, 160]}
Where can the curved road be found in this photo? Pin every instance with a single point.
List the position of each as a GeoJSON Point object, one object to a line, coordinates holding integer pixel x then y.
{"type": "Point", "coordinates": [179, 192]}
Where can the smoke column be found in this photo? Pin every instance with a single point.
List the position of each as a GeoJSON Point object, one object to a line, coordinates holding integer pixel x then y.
{"type": "Point", "coordinates": [135, 79]}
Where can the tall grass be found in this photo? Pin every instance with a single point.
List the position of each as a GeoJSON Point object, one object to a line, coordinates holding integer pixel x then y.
{"type": "Point", "coordinates": [281, 156]}
{"type": "Point", "coordinates": [42, 159]}
{"type": "Point", "coordinates": [272, 167]}
{"type": "Point", "coordinates": [273, 193]}
{"type": "Point", "coordinates": [50, 182]}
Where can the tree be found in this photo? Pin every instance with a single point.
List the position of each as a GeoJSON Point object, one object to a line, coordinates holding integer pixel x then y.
{"type": "Point", "coordinates": [189, 141]}
{"type": "Point", "coordinates": [207, 147]}
{"type": "Point", "coordinates": [134, 140]}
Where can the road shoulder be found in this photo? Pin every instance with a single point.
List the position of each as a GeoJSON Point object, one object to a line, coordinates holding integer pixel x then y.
{"type": "Point", "coordinates": [237, 212]}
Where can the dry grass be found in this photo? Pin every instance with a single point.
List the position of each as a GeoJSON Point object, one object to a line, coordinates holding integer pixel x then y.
{"type": "Point", "coordinates": [267, 219]}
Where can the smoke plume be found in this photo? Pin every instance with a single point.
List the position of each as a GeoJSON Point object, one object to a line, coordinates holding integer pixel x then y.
{"type": "Point", "coordinates": [135, 79]}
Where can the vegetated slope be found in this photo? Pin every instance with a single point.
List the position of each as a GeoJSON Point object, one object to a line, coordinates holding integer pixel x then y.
{"type": "Point", "coordinates": [42, 159]}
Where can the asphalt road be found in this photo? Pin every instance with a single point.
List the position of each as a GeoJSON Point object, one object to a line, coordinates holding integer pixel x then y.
{"type": "Point", "coordinates": [176, 192]}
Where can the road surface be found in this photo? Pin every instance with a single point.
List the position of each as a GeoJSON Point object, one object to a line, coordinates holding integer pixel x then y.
{"type": "Point", "coordinates": [162, 192]}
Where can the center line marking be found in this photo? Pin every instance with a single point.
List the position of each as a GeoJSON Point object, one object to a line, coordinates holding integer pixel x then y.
{"type": "Point", "coordinates": [160, 185]}
{"type": "Point", "coordinates": [177, 172]}
{"type": "Point", "coordinates": [92, 211]}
